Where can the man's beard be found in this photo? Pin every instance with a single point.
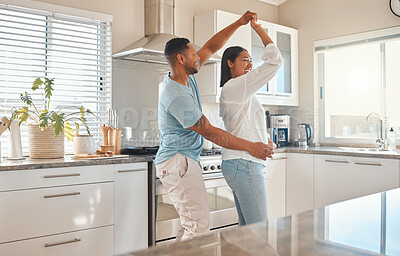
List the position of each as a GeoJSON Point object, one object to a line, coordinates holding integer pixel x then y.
{"type": "Point", "coordinates": [191, 70]}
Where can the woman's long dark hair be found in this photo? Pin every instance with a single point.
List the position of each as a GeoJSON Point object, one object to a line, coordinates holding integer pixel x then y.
{"type": "Point", "coordinates": [231, 54]}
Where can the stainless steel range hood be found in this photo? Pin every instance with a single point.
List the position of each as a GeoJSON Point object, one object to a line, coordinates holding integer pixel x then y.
{"type": "Point", "coordinates": [159, 29]}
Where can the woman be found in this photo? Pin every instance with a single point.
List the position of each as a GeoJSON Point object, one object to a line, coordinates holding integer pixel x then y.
{"type": "Point", "coordinates": [244, 117]}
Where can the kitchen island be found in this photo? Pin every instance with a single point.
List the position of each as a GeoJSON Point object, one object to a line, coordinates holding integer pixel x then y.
{"type": "Point", "coordinates": [367, 225]}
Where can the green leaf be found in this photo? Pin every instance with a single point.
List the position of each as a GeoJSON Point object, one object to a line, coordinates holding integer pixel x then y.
{"type": "Point", "coordinates": [26, 98]}
{"type": "Point", "coordinates": [68, 131]}
{"type": "Point", "coordinates": [36, 84]}
{"type": "Point", "coordinates": [76, 128]}
{"type": "Point", "coordinates": [84, 122]}
{"type": "Point", "coordinates": [23, 115]}
{"type": "Point", "coordinates": [90, 112]}
{"type": "Point", "coordinates": [82, 110]}
{"type": "Point", "coordinates": [58, 122]}
{"type": "Point", "coordinates": [44, 119]}
{"type": "Point", "coordinates": [48, 87]}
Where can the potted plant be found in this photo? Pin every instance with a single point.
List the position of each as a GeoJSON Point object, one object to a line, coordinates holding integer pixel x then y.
{"type": "Point", "coordinates": [46, 133]}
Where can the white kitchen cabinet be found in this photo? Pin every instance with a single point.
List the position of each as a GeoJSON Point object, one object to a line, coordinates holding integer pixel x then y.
{"type": "Point", "coordinates": [39, 212]}
{"type": "Point", "coordinates": [207, 25]}
{"type": "Point", "coordinates": [275, 175]}
{"type": "Point", "coordinates": [130, 207]}
{"type": "Point", "coordinates": [333, 179]}
{"type": "Point", "coordinates": [97, 241]}
{"type": "Point", "coordinates": [299, 183]}
{"type": "Point", "coordinates": [83, 210]}
{"type": "Point", "coordinates": [373, 175]}
{"type": "Point", "coordinates": [282, 89]}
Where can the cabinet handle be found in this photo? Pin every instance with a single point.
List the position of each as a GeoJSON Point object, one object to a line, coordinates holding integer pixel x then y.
{"type": "Point", "coordinates": [61, 195]}
{"type": "Point", "coordinates": [135, 170]}
{"type": "Point", "coordinates": [282, 158]}
{"type": "Point", "coordinates": [337, 161]}
{"type": "Point", "coordinates": [61, 175]}
{"type": "Point", "coordinates": [65, 242]}
{"type": "Point", "coordinates": [283, 94]}
{"type": "Point", "coordinates": [373, 164]}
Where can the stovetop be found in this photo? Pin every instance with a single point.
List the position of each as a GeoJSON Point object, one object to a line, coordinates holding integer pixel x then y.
{"type": "Point", "coordinates": [210, 152]}
{"type": "Point", "coordinates": [139, 151]}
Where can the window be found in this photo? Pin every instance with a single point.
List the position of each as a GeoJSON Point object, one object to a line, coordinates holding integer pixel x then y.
{"type": "Point", "coordinates": [357, 75]}
{"type": "Point", "coordinates": [75, 51]}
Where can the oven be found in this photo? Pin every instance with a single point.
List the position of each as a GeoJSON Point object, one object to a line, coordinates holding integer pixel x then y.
{"type": "Point", "coordinates": [220, 198]}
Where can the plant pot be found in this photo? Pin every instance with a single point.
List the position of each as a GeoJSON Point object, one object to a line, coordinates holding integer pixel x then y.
{"type": "Point", "coordinates": [44, 144]}
{"type": "Point", "coordinates": [84, 144]}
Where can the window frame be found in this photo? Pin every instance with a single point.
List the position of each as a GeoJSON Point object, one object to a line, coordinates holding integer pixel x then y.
{"type": "Point", "coordinates": [321, 46]}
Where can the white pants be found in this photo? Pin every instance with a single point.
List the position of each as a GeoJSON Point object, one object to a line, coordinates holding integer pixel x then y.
{"type": "Point", "coordinates": [182, 178]}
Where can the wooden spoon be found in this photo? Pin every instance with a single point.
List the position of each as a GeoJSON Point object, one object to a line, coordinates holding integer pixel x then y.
{"type": "Point", "coordinates": [4, 123]}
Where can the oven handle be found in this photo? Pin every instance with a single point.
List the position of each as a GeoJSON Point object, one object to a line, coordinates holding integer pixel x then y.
{"type": "Point", "coordinates": [213, 176]}
{"type": "Point", "coordinates": [209, 176]}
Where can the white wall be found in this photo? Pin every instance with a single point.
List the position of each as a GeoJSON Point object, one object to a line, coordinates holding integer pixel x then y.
{"type": "Point", "coordinates": [322, 19]}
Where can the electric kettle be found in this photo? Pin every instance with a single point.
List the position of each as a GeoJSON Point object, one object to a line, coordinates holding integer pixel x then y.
{"type": "Point", "coordinates": [305, 133]}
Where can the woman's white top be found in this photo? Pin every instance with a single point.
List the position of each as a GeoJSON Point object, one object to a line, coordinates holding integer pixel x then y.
{"type": "Point", "coordinates": [242, 113]}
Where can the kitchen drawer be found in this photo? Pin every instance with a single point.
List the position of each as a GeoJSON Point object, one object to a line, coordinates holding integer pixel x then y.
{"type": "Point", "coordinates": [40, 212]}
{"type": "Point", "coordinates": [373, 175]}
{"type": "Point", "coordinates": [40, 178]}
{"type": "Point", "coordinates": [97, 241]}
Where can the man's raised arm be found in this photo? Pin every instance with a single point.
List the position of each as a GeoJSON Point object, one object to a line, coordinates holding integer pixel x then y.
{"type": "Point", "coordinates": [219, 40]}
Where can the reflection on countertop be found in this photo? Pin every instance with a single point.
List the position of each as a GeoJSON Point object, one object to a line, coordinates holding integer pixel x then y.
{"type": "Point", "coordinates": [367, 225]}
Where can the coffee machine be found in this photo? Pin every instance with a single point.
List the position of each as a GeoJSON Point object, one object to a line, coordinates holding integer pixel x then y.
{"type": "Point", "coordinates": [279, 127]}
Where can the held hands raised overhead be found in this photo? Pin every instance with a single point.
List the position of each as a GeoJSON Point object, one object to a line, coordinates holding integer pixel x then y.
{"type": "Point", "coordinates": [247, 17]}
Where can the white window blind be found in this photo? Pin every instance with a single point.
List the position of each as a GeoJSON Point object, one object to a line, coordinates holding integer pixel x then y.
{"type": "Point", "coordinates": [74, 51]}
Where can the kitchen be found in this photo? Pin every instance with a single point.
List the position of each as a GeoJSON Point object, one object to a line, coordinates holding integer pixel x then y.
{"type": "Point", "coordinates": [136, 102]}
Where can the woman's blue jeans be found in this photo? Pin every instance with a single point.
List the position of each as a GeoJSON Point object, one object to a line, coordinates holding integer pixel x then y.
{"type": "Point", "coordinates": [246, 179]}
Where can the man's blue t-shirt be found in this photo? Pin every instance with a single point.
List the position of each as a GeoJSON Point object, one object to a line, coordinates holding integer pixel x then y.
{"type": "Point", "coordinates": [179, 107]}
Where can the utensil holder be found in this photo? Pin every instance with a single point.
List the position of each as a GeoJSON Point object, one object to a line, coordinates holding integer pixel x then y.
{"type": "Point", "coordinates": [115, 140]}
{"type": "Point", "coordinates": [104, 131]}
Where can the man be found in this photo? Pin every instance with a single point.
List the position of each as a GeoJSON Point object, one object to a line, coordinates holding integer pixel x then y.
{"type": "Point", "coordinates": [183, 125]}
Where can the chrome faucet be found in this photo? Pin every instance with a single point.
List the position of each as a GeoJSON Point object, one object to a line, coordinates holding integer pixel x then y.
{"type": "Point", "coordinates": [382, 142]}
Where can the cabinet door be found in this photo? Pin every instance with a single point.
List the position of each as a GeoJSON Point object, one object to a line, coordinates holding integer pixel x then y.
{"type": "Point", "coordinates": [205, 26]}
{"type": "Point", "coordinates": [97, 241]}
{"type": "Point", "coordinates": [283, 88]}
{"type": "Point", "coordinates": [275, 171]}
{"type": "Point", "coordinates": [286, 40]}
{"type": "Point", "coordinates": [130, 208]}
{"type": "Point", "coordinates": [299, 183]}
{"type": "Point", "coordinates": [333, 179]}
{"type": "Point", "coordinates": [241, 37]}
{"type": "Point", "coordinates": [373, 175]}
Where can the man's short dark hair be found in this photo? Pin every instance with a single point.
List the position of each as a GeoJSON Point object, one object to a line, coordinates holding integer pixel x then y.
{"type": "Point", "coordinates": [175, 46]}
